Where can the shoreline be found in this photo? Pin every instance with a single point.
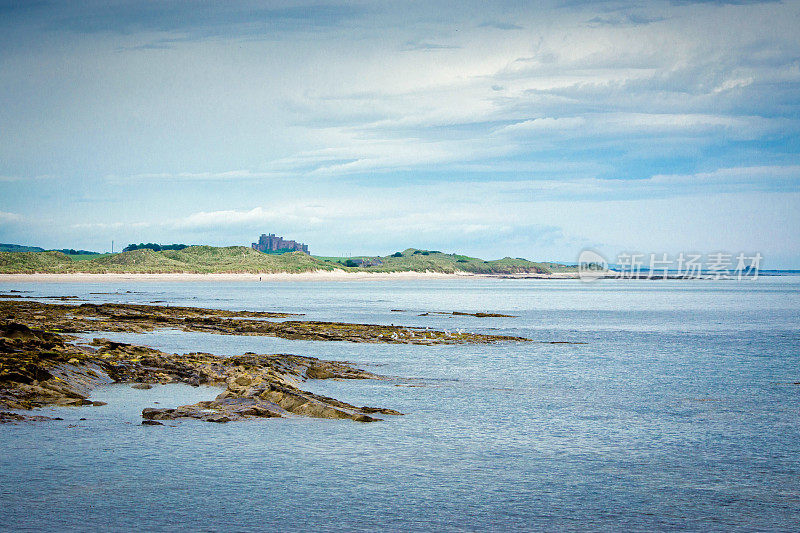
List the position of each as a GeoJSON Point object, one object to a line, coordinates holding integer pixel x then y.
{"type": "Point", "coordinates": [318, 275]}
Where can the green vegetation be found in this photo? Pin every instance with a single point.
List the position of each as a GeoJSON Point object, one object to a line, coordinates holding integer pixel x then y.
{"type": "Point", "coordinates": [20, 248]}
{"type": "Point", "coordinates": [84, 257]}
{"type": "Point", "coordinates": [153, 246]}
{"type": "Point", "coordinates": [417, 260]}
{"type": "Point", "coordinates": [195, 259]}
{"type": "Point", "coordinates": [233, 259]}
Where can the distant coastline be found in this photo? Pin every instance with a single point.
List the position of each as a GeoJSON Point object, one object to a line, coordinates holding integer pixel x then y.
{"type": "Point", "coordinates": [243, 261]}
{"type": "Point", "coordinates": [319, 275]}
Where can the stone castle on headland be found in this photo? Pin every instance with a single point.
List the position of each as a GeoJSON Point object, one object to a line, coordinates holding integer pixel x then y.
{"type": "Point", "coordinates": [271, 243]}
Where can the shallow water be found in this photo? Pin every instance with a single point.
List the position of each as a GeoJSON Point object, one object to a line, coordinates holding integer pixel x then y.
{"type": "Point", "coordinates": [680, 412]}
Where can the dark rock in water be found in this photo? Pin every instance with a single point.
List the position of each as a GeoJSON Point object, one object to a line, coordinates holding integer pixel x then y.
{"type": "Point", "coordinates": [151, 423]}
{"type": "Point", "coordinates": [259, 393]}
{"type": "Point", "coordinates": [10, 418]}
{"type": "Point", "coordinates": [137, 318]}
{"type": "Point", "coordinates": [99, 404]}
{"type": "Point", "coordinates": [39, 368]}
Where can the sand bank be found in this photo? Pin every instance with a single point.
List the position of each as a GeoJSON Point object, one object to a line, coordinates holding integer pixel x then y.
{"type": "Point", "coordinates": [320, 275]}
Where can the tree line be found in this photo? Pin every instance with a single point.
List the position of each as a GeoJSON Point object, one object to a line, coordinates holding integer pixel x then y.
{"type": "Point", "coordinates": [153, 246]}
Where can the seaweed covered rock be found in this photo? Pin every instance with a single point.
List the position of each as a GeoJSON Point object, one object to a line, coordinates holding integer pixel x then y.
{"type": "Point", "coordinates": [39, 368]}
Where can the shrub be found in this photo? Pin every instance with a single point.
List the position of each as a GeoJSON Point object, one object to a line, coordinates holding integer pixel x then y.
{"type": "Point", "coordinates": [153, 246]}
{"type": "Point", "coordinates": [397, 254]}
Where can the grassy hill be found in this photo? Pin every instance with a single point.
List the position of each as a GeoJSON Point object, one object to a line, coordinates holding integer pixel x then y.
{"type": "Point", "coordinates": [413, 259]}
{"type": "Point", "coordinates": [196, 259]}
{"type": "Point", "coordinates": [233, 259]}
{"type": "Point", "coordinates": [19, 248]}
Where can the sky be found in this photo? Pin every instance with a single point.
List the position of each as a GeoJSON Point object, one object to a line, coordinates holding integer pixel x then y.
{"type": "Point", "coordinates": [523, 129]}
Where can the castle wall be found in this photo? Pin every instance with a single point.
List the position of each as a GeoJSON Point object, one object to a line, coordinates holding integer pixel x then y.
{"type": "Point", "coordinates": [273, 243]}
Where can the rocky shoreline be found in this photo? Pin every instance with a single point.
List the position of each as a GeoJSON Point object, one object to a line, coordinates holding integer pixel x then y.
{"type": "Point", "coordinates": [43, 363]}
{"type": "Point", "coordinates": [137, 318]}
{"type": "Point", "coordinates": [40, 368]}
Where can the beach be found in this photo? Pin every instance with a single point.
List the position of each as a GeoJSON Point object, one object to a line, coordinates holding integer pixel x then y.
{"type": "Point", "coordinates": [318, 275]}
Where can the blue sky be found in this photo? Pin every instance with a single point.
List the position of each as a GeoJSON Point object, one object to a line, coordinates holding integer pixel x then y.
{"type": "Point", "coordinates": [531, 129]}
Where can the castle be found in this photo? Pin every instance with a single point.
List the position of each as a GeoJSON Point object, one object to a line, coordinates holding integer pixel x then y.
{"type": "Point", "coordinates": [271, 243]}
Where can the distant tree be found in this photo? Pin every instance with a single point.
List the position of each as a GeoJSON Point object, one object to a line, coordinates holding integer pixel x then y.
{"type": "Point", "coordinates": [153, 246]}
{"type": "Point", "coordinates": [397, 254]}
{"type": "Point", "coordinates": [72, 251]}
{"type": "Point", "coordinates": [350, 263]}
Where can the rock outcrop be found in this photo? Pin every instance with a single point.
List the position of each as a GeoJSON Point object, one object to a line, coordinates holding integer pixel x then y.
{"type": "Point", "coordinates": [141, 318]}
{"type": "Point", "coordinates": [39, 368]}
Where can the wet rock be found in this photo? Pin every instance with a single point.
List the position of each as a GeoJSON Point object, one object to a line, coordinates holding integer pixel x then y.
{"type": "Point", "coordinates": [218, 418]}
{"type": "Point", "coordinates": [138, 318]}
{"type": "Point", "coordinates": [39, 368]}
{"type": "Point", "coordinates": [11, 418]}
{"type": "Point", "coordinates": [151, 423]}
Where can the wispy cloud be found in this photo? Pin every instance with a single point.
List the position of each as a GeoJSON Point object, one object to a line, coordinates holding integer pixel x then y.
{"type": "Point", "coordinates": [230, 175]}
{"type": "Point", "coordinates": [412, 46]}
{"type": "Point", "coordinates": [500, 25]}
{"type": "Point", "coordinates": [7, 218]}
{"type": "Point", "coordinates": [629, 19]}
{"type": "Point", "coordinates": [222, 118]}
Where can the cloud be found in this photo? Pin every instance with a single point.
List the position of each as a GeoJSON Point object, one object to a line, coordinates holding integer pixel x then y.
{"type": "Point", "coordinates": [102, 226]}
{"type": "Point", "coordinates": [9, 179]}
{"type": "Point", "coordinates": [298, 216]}
{"type": "Point", "coordinates": [205, 20]}
{"type": "Point", "coordinates": [9, 218]}
{"type": "Point", "coordinates": [500, 25]}
{"type": "Point", "coordinates": [412, 46]}
{"type": "Point", "coordinates": [623, 20]}
{"type": "Point", "coordinates": [224, 118]}
{"type": "Point", "coordinates": [230, 175]}
{"type": "Point", "coordinates": [610, 125]}
{"type": "Point", "coordinates": [546, 124]}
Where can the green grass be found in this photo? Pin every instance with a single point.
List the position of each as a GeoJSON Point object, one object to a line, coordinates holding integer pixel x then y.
{"type": "Point", "coordinates": [84, 257]}
{"type": "Point", "coordinates": [440, 262]}
{"type": "Point", "coordinates": [236, 259]}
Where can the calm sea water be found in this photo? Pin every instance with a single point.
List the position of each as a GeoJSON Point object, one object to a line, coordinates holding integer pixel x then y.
{"type": "Point", "coordinates": [680, 413]}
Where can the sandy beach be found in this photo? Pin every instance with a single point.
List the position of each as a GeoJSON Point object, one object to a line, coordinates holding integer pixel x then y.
{"type": "Point", "coordinates": [319, 275]}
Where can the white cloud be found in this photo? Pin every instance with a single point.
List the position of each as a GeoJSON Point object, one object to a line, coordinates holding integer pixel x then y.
{"type": "Point", "coordinates": [230, 175]}
{"type": "Point", "coordinates": [8, 218]}
{"type": "Point", "coordinates": [95, 226]}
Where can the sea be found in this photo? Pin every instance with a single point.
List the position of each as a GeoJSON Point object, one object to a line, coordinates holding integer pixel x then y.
{"type": "Point", "coordinates": [640, 405]}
